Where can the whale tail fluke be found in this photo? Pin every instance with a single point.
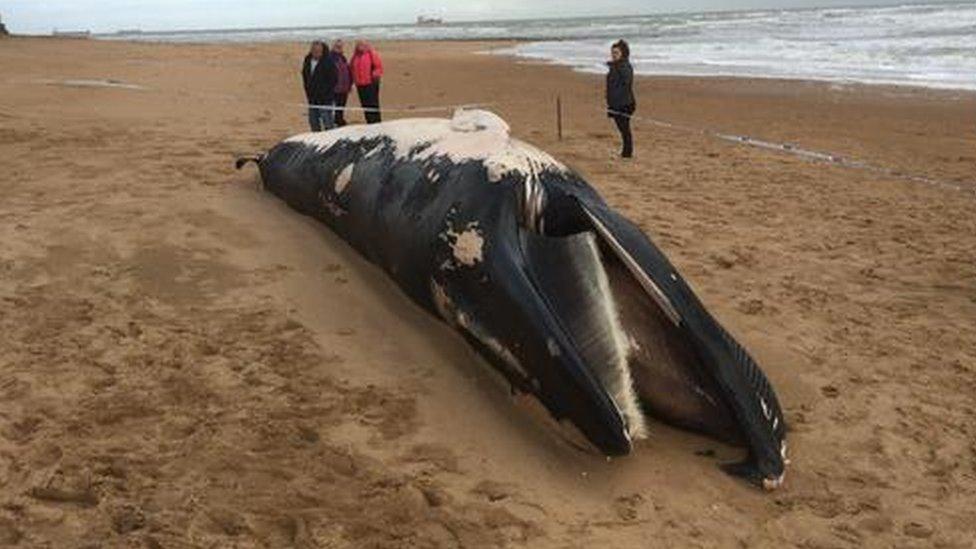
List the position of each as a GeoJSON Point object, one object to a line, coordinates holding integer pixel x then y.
{"type": "Point", "coordinates": [243, 160]}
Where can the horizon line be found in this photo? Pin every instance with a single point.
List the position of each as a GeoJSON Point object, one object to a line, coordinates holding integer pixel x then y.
{"type": "Point", "coordinates": [447, 23]}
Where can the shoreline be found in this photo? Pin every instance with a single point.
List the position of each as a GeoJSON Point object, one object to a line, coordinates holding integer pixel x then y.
{"type": "Point", "coordinates": [950, 93]}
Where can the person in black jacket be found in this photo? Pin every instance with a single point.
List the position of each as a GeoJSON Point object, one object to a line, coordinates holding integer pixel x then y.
{"type": "Point", "coordinates": [319, 77]}
{"type": "Point", "coordinates": [343, 82]}
{"type": "Point", "coordinates": [620, 93]}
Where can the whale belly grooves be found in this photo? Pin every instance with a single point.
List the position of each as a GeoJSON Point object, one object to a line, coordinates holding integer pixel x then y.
{"type": "Point", "coordinates": [570, 273]}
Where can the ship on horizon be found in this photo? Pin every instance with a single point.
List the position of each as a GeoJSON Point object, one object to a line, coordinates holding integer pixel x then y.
{"type": "Point", "coordinates": [71, 34]}
{"type": "Point", "coordinates": [423, 21]}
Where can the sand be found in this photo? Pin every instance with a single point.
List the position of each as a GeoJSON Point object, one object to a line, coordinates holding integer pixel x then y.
{"type": "Point", "coordinates": [185, 362]}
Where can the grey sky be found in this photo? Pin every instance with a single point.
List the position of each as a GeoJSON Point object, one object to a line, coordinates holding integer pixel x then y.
{"type": "Point", "coordinates": [33, 16]}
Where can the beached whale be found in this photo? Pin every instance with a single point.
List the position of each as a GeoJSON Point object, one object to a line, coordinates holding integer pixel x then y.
{"type": "Point", "coordinates": [569, 300]}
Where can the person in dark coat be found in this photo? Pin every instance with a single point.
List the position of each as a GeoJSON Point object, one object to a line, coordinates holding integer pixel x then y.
{"type": "Point", "coordinates": [621, 103]}
{"type": "Point", "coordinates": [343, 81]}
{"type": "Point", "coordinates": [319, 78]}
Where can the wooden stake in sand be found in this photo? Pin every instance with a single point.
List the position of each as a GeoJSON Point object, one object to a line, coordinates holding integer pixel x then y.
{"type": "Point", "coordinates": [559, 117]}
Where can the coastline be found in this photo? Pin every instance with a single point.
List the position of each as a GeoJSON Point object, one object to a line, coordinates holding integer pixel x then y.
{"type": "Point", "coordinates": [909, 44]}
{"type": "Point", "coordinates": [196, 364]}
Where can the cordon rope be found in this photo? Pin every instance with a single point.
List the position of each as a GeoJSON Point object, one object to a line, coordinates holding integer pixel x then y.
{"type": "Point", "coordinates": [807, 154]}
{"type": "Point", "coordinates": [783, 148]}
{"type": "Point", "coordinates": [442, 108]}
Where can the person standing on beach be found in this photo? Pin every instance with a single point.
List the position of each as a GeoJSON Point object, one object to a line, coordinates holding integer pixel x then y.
{"type": "Point", "coordinates": [319, 78]}
{"type": "Point", "coordinates": [367, 69]}
{"type": "Point", "coordinates": [621, 103]}
{"type": "Point", "coordinates": [343, 81]}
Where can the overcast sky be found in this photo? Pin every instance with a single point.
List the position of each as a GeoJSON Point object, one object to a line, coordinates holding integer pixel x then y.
{"type": "Point", "coordinates": [39, 16]}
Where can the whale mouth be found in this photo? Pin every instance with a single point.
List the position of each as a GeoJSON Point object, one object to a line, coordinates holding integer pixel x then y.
{"type": "Point", "coordinates": [627, 333]}
{"type": "Point", "coordinates": [669, 378]}
{"type": "Point", "coordinates": [647, 341]}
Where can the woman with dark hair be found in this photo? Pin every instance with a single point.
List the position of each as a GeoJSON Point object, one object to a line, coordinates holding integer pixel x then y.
{"type": "Point", "coordinates": [319, 78]}
{"type": "Point", "coordinates": [621, 103]}
{"type": "Point", "coordinates": [343, 81]}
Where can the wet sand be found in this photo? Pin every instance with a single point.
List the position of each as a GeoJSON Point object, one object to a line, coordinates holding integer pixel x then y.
{"type": "Point", "coordinates": [185, 362]}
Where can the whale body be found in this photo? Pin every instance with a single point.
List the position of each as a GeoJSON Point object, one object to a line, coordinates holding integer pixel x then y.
{"type": "Point", "coordinates": [566, 298]}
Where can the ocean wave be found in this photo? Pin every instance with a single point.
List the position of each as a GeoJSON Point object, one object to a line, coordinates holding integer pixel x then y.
{"type": "Point", "coordinates": [917, 44]}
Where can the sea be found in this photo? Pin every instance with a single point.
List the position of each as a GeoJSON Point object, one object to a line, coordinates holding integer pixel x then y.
{"type": "Point", "coordinates": [929, 45]}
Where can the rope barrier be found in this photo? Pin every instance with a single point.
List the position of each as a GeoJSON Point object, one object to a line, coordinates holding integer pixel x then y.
{"type": "Point", "coordinates": [442, 108]}
{"type": "Point", "coordinates": [785, 148]}
{"type": "Point", "coordinates": [236, 98]}
{"type": "Point", "coordinates": [808, 154]}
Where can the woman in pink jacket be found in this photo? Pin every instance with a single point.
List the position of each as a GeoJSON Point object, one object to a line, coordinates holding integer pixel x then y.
{"type": "Point", "coordinates": [367, 69]}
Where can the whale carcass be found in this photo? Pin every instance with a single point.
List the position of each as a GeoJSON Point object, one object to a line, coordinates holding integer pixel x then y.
{"type": "Point", "coordinates": [569, 300]}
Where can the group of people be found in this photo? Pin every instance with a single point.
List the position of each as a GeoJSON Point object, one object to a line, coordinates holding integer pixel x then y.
{"type": "Point", "coordinates": [328, 77]}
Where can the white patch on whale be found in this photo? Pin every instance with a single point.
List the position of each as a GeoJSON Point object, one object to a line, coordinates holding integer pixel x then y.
{"type": "Point", "coordinates": [765, 408]}
{"type": "Point", "coordinates": [553, 347]}
{"type": "Point", "coordinates": [468, 246]}
{"type": "Point", "coordinates": [469, 135]}
{"type": "Point", "coordinates": [474, 120]}
{"type": "Point", "coordinates": [532, 203]}
{"type": "Point", "coordinates": [770, 484]}
{"type": "Point", "coordinates": [443, 304]}
{"type": "Point", "coordinates": [343, 179]}
{"type": "Point", "coordinates": [496, 347]}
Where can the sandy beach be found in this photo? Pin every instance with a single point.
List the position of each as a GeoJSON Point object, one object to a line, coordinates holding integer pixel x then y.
{"type": "Point", "coordinates": [185, 362]}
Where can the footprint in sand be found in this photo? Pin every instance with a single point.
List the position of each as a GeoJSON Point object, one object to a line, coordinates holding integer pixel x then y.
{"type": "Point", "coordinates": [918, 530]}
{"type": "Point", "coordinates": [753, 307]}
{"type": "Point", "coordinates": [627, 507]}
{"type": "Point", "coordinates": [434, 458]}
{"type": "Point", "coordinates": [492, 491]}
